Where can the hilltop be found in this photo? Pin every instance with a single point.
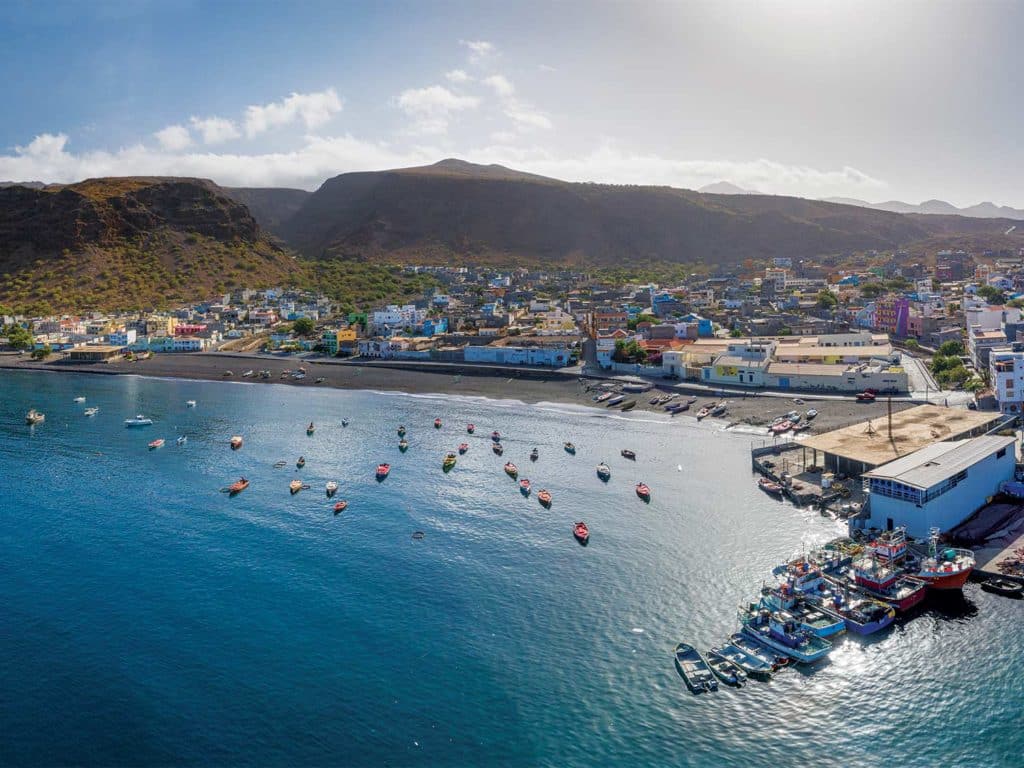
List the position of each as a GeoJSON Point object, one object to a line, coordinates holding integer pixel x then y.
{"type": "Point", "coordinates": [129, 242]}
{"type": "Point", "coordinates": [461, 211]}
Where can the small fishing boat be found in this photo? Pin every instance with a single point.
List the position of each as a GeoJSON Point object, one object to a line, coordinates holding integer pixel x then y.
{"type": "Point", "coordinates": [604, 471]}
{"type": "Point", "coordinates": [236, 442]}
{"type": "Point", "coordinates": [751, 666]}
{"type": "Point", "coordinates": [703, 412]}
{"type": "Point", "coordinates": [158, 443]}
{"type": "Point", "coordinates": [811, 414]}
{"type": "Point", "coordinates": [534, 455]}
{"type": "Point", "coordinates": [418, 535]}
{"type": "Point", "coordinates": [497, 449]}
{"type": "Point", "coordinates": [643, 491]}
{"type": "Point", "coordinates": [866, 397]}
{"type": "Point", "coordinates": [628, 454]}
{"type": "Point", "coordinates": [382, 471]}
{"type": "Point", "coordinates": [758, 652]}
{"type": "Point", "coordinates": [331, 488]}
{"type": "Point", "coordinates": [863, 615]}
{"type": "Point", "coordinates": [629, 405]}
{"type": "Point", "coordinates": [301, 462]}
{"type": "Point", "coordinates": [320, 380]}
{"type": "Point", "coordinates": [694, 669]}
{"type": "Point", "coordinates": [280, 464]}
{"type": "Point", "coordinates": [524, 487]}
{"type": "Point", "coordinates": [544, 497]}
{"type": "Point", "coordinates": [437, 423]}
{"type": "Point", "coordinates": [340, 507]}
{"type": "Point", "coordinates": [470, 428]}
{"type": "Point", "coordinates": [181, 440]}
{"type": "Point", "coordinates": [725, 670]}
{"type": "Point", "coordinates": [463, 447]}
{"type": "Point", "coordinates": [249, 374]}
{"type": "Point", "coordinates": [190, 403]}
{"type": "Point", "coordinates": [403, 445]}
{"type": "Point", "coordinates": [401, 430]}
{"type": "Point", "coordinates": [138, 421]}
{"type": "Point", "coordinates": [581, 532]}
{"type": "Point", "coordinates": [602, 397]}
{"type": "Point", "coordinates": [310, 429]}
{"type": "Point", "coordinates": [769, 487]}
{"type": "Point", "coordinates": [783, 426]}
{"type": "Point", "coordinates": [1003, 587]}
{"type": "Point", "coordinates": [654, 400]}
{"type": "Point", "coordinates": [570, 448]}
{"type": "Point", "coordinates": [344, 422]}
{"type": "Point", "coordinates": [511, 470]}
{"type": "Point", "coordinates": [615, 401]}
{"type": "Point", "coordinates": [779, 631]}
{"type": "Point", "coordinates": [719, 409]}
{"type": "Point", "coordinates": [449, 461]}
{"type": "Point", "coordinates": [91, 411]}
{"type": "Point", "coordinates": [295, 486]}
{"type": "Point", "coordinates": [79, 400]}
{"type": "Point", "coordinates": [496, 436]}
{"type": "Point", "coordinates": [238, 486]}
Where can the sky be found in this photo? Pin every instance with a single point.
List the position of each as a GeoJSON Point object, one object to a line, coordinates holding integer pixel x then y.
{"type": "Point", "coordinates": [905, 100]}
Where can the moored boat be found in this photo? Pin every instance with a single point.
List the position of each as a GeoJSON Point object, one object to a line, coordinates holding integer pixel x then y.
{"type": "Point", "coordinates": [138, 421]}
{"type": "Point", "coordinates": [403, 445]}
{"type": "Point", "coordinates": [158, 443]}
{"type": "Point", "coordinates": [401, 431]}
{"type": "Point", "coordinates": [811, 413]}
{"type": "Point", "coordinates": [524, 487]}
{"type": "Point", "coordinates": [496, 436]}
{"type": "Point", "coordinates": [470, 428]}
{"type": "Point", "coordinates": [1003, 587]}
{"type": "Point", "coordinates": [310, 429]}
{"type": "Point", "coordinates": [725, 670]}
{"type": "Point", "coordinates": [628, 454]}
{"type": "Point", "coordinates": [511, 470]}
{"type": "Point", "coordinates": [449, 461]}
{"type": "Point", "coordinates": [615, 401]}
{"type": "Point", "coordinates": [190, 403]}
{"type": "Point", "coordinates": [778, 631]}
{"type": "Point", "coordinates": [629, 405]}
{"type": "Point", "coordinates": [181, 440]}
{"type": "Point", "coordinates": [604, 472]}
{"type": "Point", "coordinates": [496, 447]}
{"type": "Point", "coordinates": [79, 399]}
{"type": "Point", "coordinates": [463, 447]}
{"type": "Point", "coordinates": [238, 486]}
{"type": "Point", "coordinates": [884, 582]}
{"type": "Point", "coordinates": [945, 568]}
{"type": "Point", "coordinates": [236, 442]}
{"type": "Point", "coordinates": [91, 411]}
{"type": "Point", "coordinates": [703, 412]}
{"type": "Point", "coordinates": [301, 462]}
{"type": "Point", "coordinates": [570, 448]}
{"type": "Point", "coordinates": [295, 486]}
{"type": "Point", "coordinates": [544, 497]}
{"type": "Point", "coordinates": [331, 488]}
{"type": "Point", "coordinates": [340, 507]}
{"type": "Point", "coordinates": [643, 491]}
{"type": "Point", "coordinates": [718, 409]}
{"type": "Point", "coordinates": [770, 487]}
{"type": "Point", "coordinates": [812, 617]}
{"type": "Point", "coordinates": [581, 532]}
{"type": "Point", "coordinates": [437, 423]}
{"type": "Point", "coordinates": [863, 615]}
{"type": "Point", "coordinates": [604, 396]}
{"type": "Point", "coordinates": [758, 652]}
{"type": "Point", "coordinates": [759, 669]}
{"type": "Point", "coordinates": [534, 454]}
{"type": "Point", "coordinates": [382, 471]}
{"type": "Point", "coordinates": [694, 669]}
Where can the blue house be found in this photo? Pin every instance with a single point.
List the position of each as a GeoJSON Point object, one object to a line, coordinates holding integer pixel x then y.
{"type": "Point", "coordinates": [433, 326]}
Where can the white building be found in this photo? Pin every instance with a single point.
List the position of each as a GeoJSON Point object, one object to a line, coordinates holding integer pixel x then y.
{"type": "Point", "coordinates": [122, 338]}
{"type": "Point", "coordinates": [938, 486]}
{"type": "Point", "coordinates": [1006, 375]}
{"type": "Point", "coordinates": [395, 318]}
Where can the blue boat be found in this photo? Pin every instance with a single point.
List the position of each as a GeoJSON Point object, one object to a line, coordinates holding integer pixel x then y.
{"type": "Point", "coordinates": [863, 615]}
{"type": "Point", "coordinates": [810, 616]}
{"type": "Point", "coordinates": [779, 631]}
{"type": "Point", "coordinates": [758, 653]}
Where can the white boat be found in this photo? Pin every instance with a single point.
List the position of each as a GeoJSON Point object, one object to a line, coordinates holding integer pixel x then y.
{"type": "Point", "coordinates": [35, 417]}
{"type": "Point", "coordinates": [331, 488]}
{"type": "Point", "coordinates": [79, 400]}
{"type": "Point", "coordinates": [616, 400]}
{"type": "Point", "coordinates": [637, 387]}
{"type": "Point", "coordinates": [182, 440]}
{"type": "Point", "coordinates": [91, 411]}
{"type": "Point", "coordinates": [138, 421]}
{"type": "Point", "coordinates": [719, 409]}
{"type": "Point", "coordinates": [249, 374]}
{"type": "Point", "coordinates": [190, 403]}
{"type": "Point", "coordinates": [811, 413]}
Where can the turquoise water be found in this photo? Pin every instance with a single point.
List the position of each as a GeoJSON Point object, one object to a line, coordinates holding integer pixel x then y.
{"type": "Point", "coordinates": [148, 618]}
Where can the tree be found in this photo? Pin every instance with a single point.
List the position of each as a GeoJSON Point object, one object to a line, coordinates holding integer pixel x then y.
{"type": "Point", "coordinates": [991, 294]}
{"type": "Point", "coordinates": [951, 349]}
{"type": "Point", "coordinates": [974, 384]}
{"type": "Point", "coordinates": [827, 299]}
{"type": "Point", "coordinates": [735, 333]}
{"type": "Point", "coordinates": [303, 327]}
{"type": "Point", "coordinates": [871, 290]}
{"type": "Point", "coordinates": [19, 337]}
{"type": "Point", "coordinates": [912, 344]}
{"type": "Point", "coordinates": [42, 353]}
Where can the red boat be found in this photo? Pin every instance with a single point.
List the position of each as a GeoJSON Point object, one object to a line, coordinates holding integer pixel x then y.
{"type": "Point", "coordinates": [581, 532]}
{"type": "Point", "coordinates": [866, 396]}
{"type": "Point", "coordinates": [437, 423]}
{"type": "Point", "coordinates": [769, 487]}
{"type": "Point", "coordinates": [947, 568]}
{"type": "Point", "coordinates": [340, 507]}
{"type": "Point", "coordinates": [544, 498]}
{"type": "Point", "coordinates": [238, 486]}
{"type": "Point", "coordinates": [463, 447]}
{"type": "Point", "coordinates": [496, 436]}
{"type": "Point", "coordinates": [383, 470]}
{"type": "Point", "coordinates": [643, 491]}
{"type": "Point", "coordinates": [524, 487]}
{"type": "Point", "coordinates": [470, 428]}
{"type": "Point", "coordinates": [158, 443]}
{"type": "Point", "coordinates": [884, 582]}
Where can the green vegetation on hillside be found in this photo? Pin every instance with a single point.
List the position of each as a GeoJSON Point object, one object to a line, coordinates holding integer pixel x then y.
{"type": "Point", "coordinates": [358, 285]}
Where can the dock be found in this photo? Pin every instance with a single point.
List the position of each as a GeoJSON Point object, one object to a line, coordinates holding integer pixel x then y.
{"type": "Point", "coordinates": [804, 484]}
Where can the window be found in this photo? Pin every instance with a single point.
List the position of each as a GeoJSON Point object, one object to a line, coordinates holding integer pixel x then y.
{"type": "Point", "coordinates": [1000, 453]}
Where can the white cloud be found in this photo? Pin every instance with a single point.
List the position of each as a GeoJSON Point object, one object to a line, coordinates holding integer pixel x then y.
{"type": "Point", "coordinates": [215, 130]}
{"type": "Point", "coordinates": [45, 145]}
{"type": "Point", "coordinates": [501, 85]}
{"type": "Point", "coordinates": [504, 137]}
{"type": "Point", "coordinates": [312, 109]}
{"type": "Point", "coordinates": [457, 76]}
{"type": "Point", "coordinates": [173, 137]}
{"type": "Point", "coordinates": [526, 117]}
{"type": "Point", "coordinates": [430, 108]}
{"type": "Point", "coordinates": [479, 49]}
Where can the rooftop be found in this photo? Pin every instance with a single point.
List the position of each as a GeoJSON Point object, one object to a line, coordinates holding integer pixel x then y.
{"type": "Point", "coordinates": [912, 429]}
{"type": "Point", "coordinates": [934, 463]}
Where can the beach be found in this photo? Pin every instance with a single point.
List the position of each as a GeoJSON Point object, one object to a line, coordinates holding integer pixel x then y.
{"type": "Point", "coordinates": [751, 409]}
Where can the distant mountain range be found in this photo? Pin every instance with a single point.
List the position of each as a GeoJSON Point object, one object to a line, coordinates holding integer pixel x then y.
{"type": "Point", "coordinates": [936, 207]}
{"type": "Point", "coordinates": [726, 188]}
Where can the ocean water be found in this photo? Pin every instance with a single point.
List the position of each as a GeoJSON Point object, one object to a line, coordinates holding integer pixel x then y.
{"type": "Point", "coordinates": [146, 618]}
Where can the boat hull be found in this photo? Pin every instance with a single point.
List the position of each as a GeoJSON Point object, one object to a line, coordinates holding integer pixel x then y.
{"type": "Point", "coordinates": [870, 627]}
{"type": "Point", "coordinates": [949, 581]}
{"type": "Point", "coordinates": [802, 656]}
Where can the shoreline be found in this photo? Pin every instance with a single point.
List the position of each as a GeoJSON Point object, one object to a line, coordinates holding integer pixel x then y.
{"type": "Point", "coordinates": [746, 412]}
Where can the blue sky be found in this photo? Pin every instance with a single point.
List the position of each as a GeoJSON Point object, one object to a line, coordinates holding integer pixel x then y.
{"type": "Point", "coordinates": [872, 100]}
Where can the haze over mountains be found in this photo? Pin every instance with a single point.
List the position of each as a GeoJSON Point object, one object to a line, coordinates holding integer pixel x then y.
{"type": "Point", "coordinates": [105, 242]}
{"type": "Point", "coordinates": [937, 207]}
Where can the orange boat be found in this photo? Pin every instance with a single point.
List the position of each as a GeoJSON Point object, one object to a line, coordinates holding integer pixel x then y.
{"type": "Point", "coordinates": [340, 507]}
{"type": "Point", "coordinates": [158, 443]}
{"type": "Point", "coordinates": [643, 491]}
{"type": "Point", "coordinates": [382, 471]}
{"type": "Point", "coordinates": [511, 470]}
{"type": "Point", "coordinates": [295, 486]}
{"type": "Point", "coordinates": [238, 486]}
{"type": "Point", "coordinates": [544, 497]}
{"type": "Point", "coordinates": [581, 532]}
{"type": "Point", "coordinates": [236, 442]}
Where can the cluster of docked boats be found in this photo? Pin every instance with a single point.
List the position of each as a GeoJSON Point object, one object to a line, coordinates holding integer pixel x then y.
{"type": "Point", "coordinates": [792, 422]}
{"type": "Point", "coordinates": [612, 399]}
{"type": "Point", "coordinates": [844, 587]}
